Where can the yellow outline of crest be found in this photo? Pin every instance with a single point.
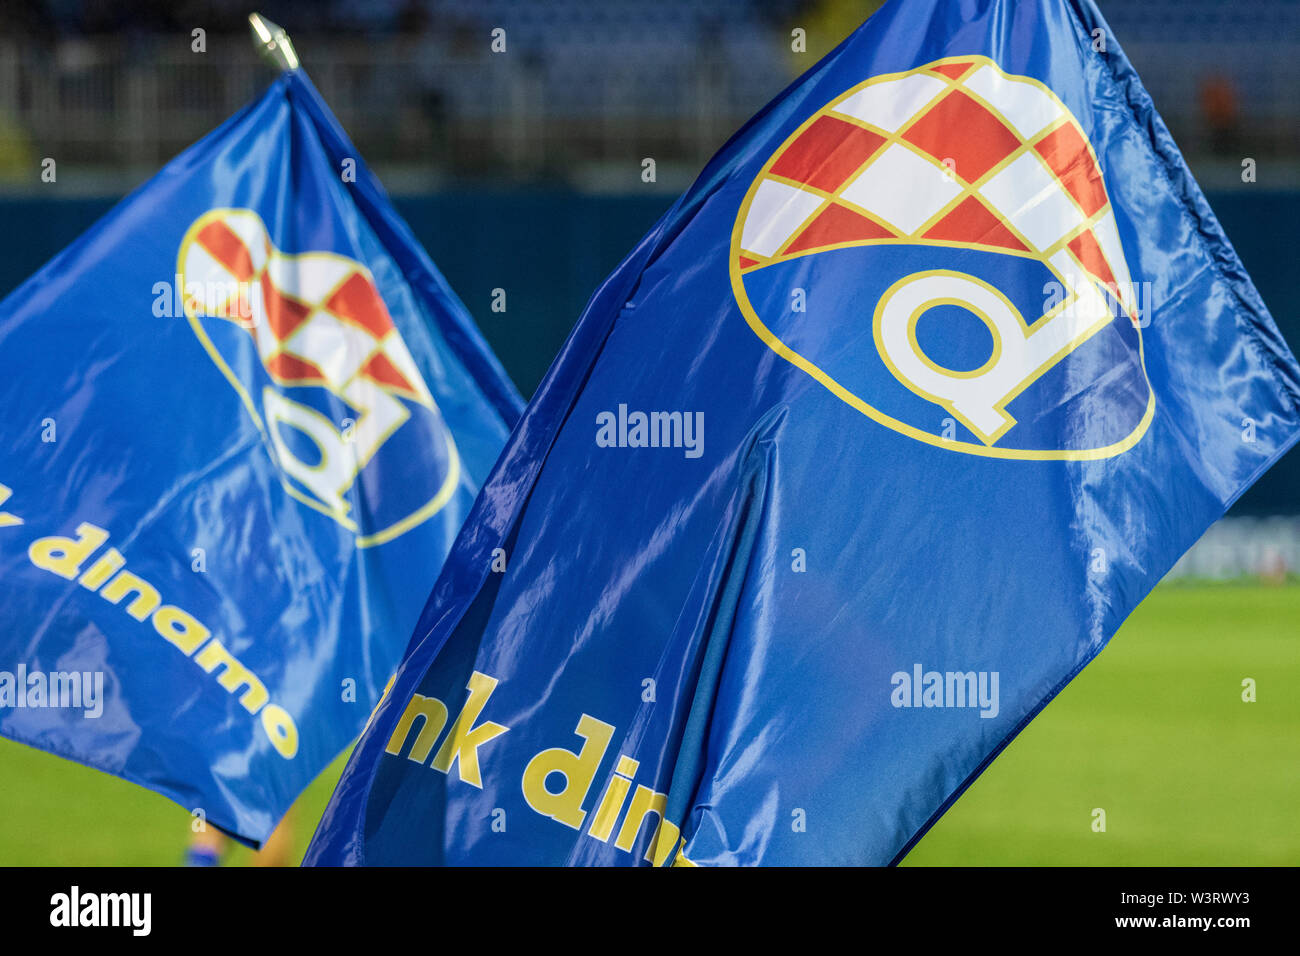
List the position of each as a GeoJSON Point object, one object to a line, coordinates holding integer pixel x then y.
{"type": "Point", "coordinates": [772, 341]}
{"type": "Point", "coordinates": [395, 530]}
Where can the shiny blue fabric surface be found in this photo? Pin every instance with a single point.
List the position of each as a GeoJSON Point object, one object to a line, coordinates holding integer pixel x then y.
{"type": "Point", "coordinates": [123, 414]}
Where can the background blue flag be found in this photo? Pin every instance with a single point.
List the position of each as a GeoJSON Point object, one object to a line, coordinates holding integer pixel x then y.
{"type": "Point", "coordinates": [863, 453]}
{"type": "Point", "coordinates": [244, 418]}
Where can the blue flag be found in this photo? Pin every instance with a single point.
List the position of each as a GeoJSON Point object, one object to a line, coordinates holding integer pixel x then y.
{"type": "Point", "coordinates": [863, 453]}
{"type": "Point", "coordinates": [244, 418]}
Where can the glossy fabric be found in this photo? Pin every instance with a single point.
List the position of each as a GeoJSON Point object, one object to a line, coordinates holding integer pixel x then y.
{"type": "Point", "coordinates": [154, 445]}
{"type": "Point", "coordinates": [737, 623]}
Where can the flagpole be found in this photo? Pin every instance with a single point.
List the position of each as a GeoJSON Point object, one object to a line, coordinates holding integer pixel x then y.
{"type": "Point", "coordinates": [273, 43]}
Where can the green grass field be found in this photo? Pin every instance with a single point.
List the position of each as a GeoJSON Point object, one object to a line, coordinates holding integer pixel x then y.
{"type": "Point", "coordinates": [1154, 732]}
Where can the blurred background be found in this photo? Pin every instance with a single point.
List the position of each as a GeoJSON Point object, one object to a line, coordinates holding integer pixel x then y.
{"type": "Point", "coordinates": [523, 171]}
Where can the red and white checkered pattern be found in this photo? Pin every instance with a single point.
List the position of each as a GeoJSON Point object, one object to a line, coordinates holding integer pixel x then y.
{"type": "Point", "coordinates": [317, 318]}
{"type": "Point", "coordinates": [954, 152]}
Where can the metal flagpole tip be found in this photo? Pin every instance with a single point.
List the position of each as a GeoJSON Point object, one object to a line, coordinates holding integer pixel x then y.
{"type": "Point", "coordinates": [273, 42]}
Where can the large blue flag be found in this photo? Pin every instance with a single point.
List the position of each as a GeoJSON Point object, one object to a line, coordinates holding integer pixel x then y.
{"type": "Point", "coordinates": [244, 417]}
{"type": "Point", "coordinates": [863, 453]}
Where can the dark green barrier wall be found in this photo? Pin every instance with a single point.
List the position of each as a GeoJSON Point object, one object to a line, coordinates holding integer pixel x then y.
{"type": "Point", "coordinates": [549, 249]}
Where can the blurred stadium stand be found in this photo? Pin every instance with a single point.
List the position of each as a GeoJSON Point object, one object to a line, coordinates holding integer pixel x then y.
{"type": "Point", "coordinates": [530, 161]}
{"type": "Point", "coordinates": [1186, 50]}
{"type": "Point", "coordinates": [116, 85]}
{"type": "Point", "coordinates": [414, 82]}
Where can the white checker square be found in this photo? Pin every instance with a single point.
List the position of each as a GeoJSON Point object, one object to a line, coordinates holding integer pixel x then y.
{"type": "Point", "coordinates": [335, 347]}
{"type": "Point", "coordinates": [775, 213]}
{"type": "Point", "coordinates": [248, 227]}
{"type": "Point", "coordinates": [902, 189]}
{"type": "Point", "coordinates": [1026, 107]}
{"type": "Point", "coordinates": [308, 278]}
{"type": "Point", "coordinates": [890, 104]}
{"type": "Point", "coordinates": [1107, 235]}
{"type": "Point", "coordinates": [1029, 195]}
{"type": "Point", "coordinates": [395, 349]}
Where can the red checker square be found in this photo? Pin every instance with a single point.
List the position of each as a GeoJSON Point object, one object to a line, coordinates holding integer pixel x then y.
{"type": "Point", "coordinates": [290, 368]}
{"type": "Point", "coordinates": [228, 249]}
{"type": "Point", "coordinates": [835, 225]}
{"type": "Point", "coordinates": [971, 223]}
{"type": "Point", "coordinates": [1067, 155]}
{"type": "Point", "coordinates": [357, 300]}
{"type": "Point", "coordinates": [1088, 251]}
{"type": "Point", "coordinates": [960, 129]}
{"type": "Point", "coordinates": [381, 369]}
{"type": "Point", "coordinates": [283, 314]}
{"type": "Point", "coordinates": [827, 153]}
{"type": "Point", "coordinates": [954, 70]}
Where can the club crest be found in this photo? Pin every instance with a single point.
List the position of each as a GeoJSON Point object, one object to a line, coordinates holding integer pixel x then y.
{"type": "Point", "coordinates": [938, 249]}
{"type": "Point", "coordinates": [308, 343]}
